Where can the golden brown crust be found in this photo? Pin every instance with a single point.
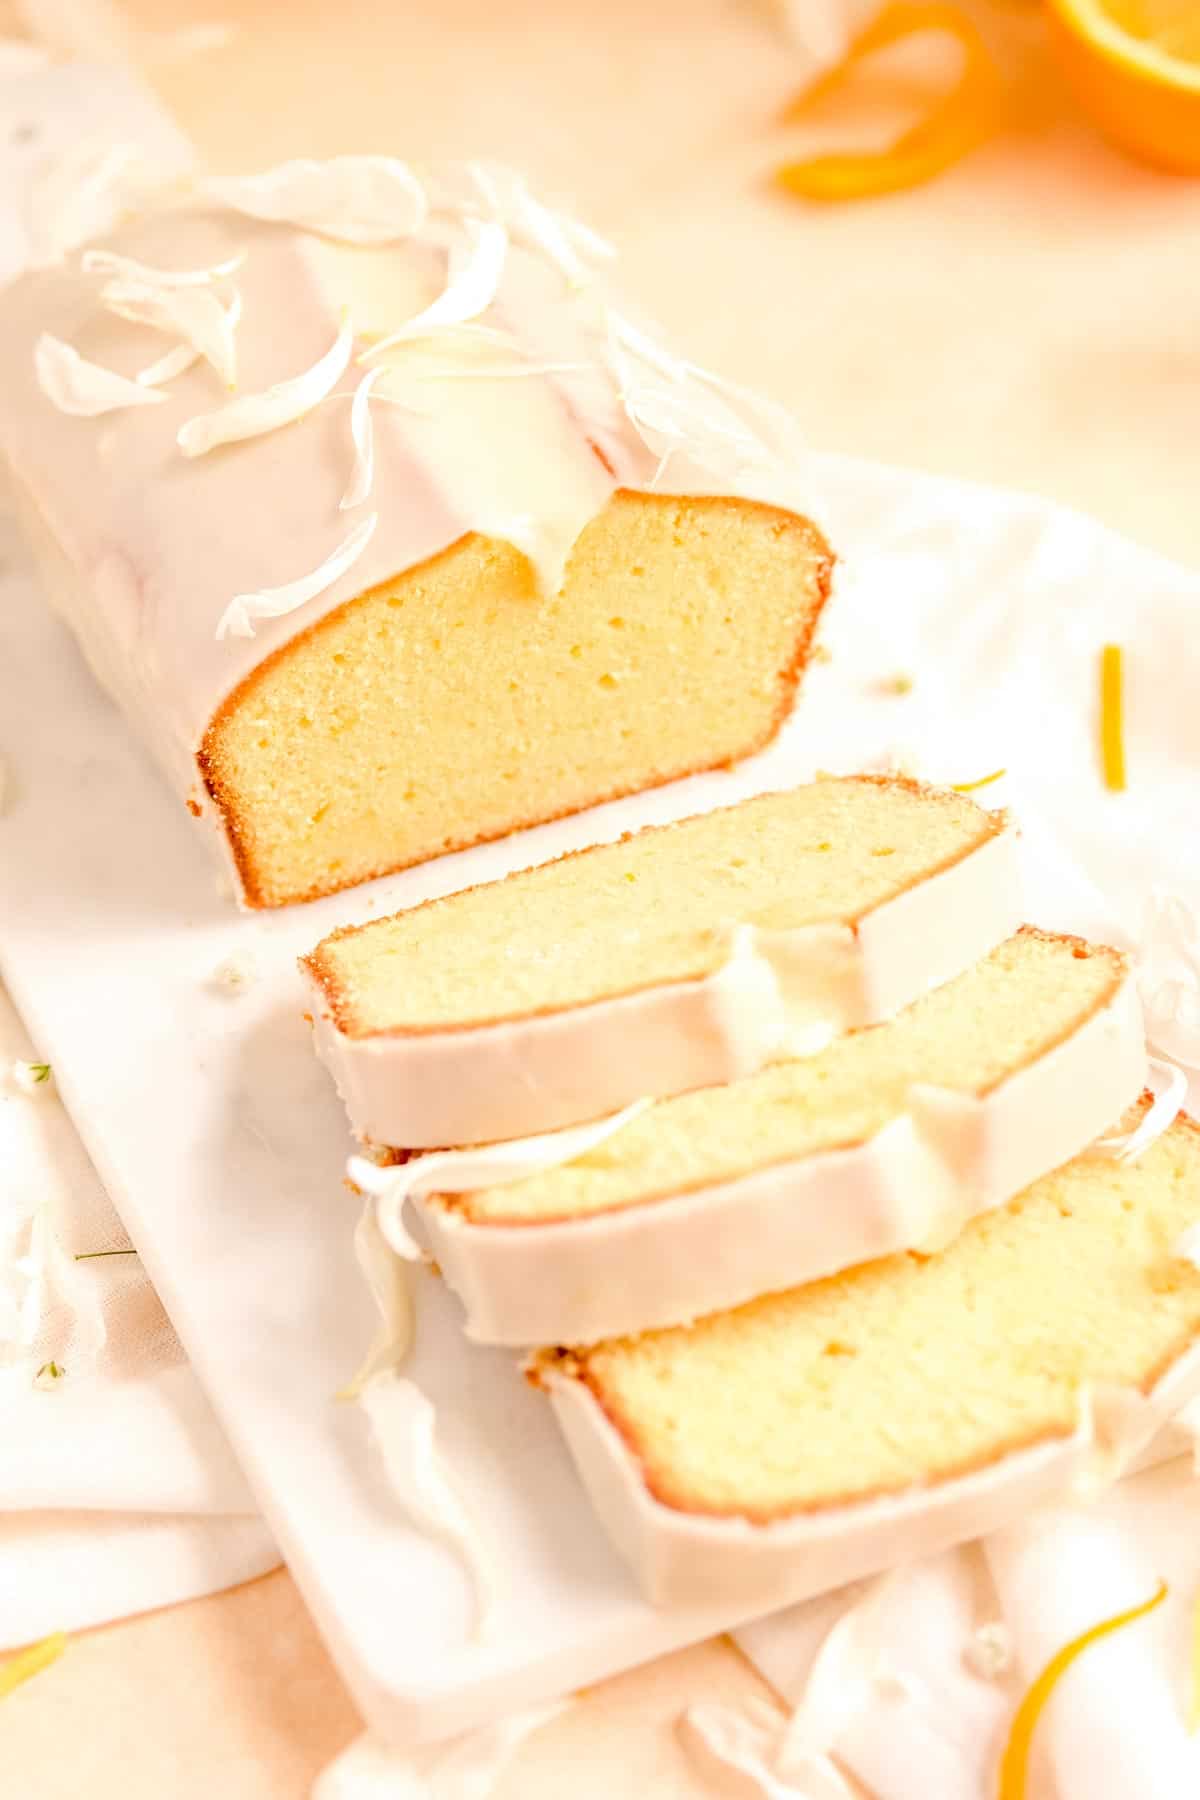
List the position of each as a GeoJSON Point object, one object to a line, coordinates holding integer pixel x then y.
{"type": "Point", "coordinates": [208, 756]}
{"type": "Point", "coordinates": [340, 1006]}
{"type": "Point", "coordinates": [660, 1481]}
{"type": "Point", "coordinates": [462, 1203]}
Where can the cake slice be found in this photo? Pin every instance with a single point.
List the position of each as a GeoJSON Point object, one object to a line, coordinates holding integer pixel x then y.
{"type": "Point", "coordinates": [819, 1435]}
{"type": "Point", "coordinates": [413, 582]}
{"type": "Point", "coordinates": [566, 991]}
{"type": "Point", "coordinates": [887, 1140]}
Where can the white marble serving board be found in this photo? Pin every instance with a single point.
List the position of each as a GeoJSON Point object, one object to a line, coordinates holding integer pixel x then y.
{"type": "Point", "coordinates": [222, 1144]}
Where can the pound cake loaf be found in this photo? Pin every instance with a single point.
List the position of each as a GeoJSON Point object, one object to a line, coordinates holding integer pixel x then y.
{"type": "Point", "coordinates": [887, 1140]}
{"type": "Point", "coordinates": [819, 1435]}
{"type": "Point", "coordinates": [679, 958]}
{"type": "Point", "coordinates": [388, 527]}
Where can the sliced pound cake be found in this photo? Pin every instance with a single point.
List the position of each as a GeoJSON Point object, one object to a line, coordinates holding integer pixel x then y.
{"type": "Point", "coordinates": [821, 1434]}
{"type": "Point", "coordinates": [375, 579]}
{"type": "Point", "coordinates": [889, 1139]}
{"type": "Point", "coordinates": [680, 958]}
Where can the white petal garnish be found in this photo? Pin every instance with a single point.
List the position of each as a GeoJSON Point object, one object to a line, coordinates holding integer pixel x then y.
{"type": "Point", "coordinates": [107, 262]}
{"type": "Point", "coordinates": [468, 1767]}
{"type": "Point", "coordinates": [676, 406]}
{"type": "Point", "coordinates": [473, 280]}
{"type": "Point", "coordinates": [463, 1171]}
{"type": "Point", "coordinates": [82, 388]}
{"type": "Point", "coordinates": [272, 603]}
{"type": "Point", "coordinates": [79, 194]}
{"type": "Point", "coordinates": [1170, 1086]}
{"type": "Point", "coordinates": [517, 371]}
{"type": "Point", "coordinates": [403, 1422]}
{"type": "Point", "coordinates": [387, 1278]}
{"type": "Point", "coordinates": [356, 199]}
{"type": "Point", "coordinates": [492, 191]}
{"type": "Point", "coordinates": [362, 433]}
{"type": "Point", "coordinates": [842, 1683]}
{"type": "Point", "coordinates": [1186, 1247]}
{"type": "Point", "coordinates": [564, 242]}
{"type": "Point", "coordinates": [253, 415]}
{"type": "Point", "coordinates": [1116, 1423]}
{"type": "Point", "coordinates": [194, 314]}
{"type": "Point", "coordinates": [1169, 977]}
{"type": "Point", "coordinates": [734, 1748]}
{"type": "Point", "coordinates": [179, 360]}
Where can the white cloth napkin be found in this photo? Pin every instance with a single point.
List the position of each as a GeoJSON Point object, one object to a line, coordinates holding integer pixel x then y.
{"type": "Point", "coordinates": [1117, 1726]}
{"type": "Point", "coordinates": [1000, 621]}
{"type": "Point", "coordinates": [118, 1491]}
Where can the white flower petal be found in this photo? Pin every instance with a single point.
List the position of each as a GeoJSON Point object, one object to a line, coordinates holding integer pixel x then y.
{"type": "Point", "coordinates": [473, 280]}
{"type": "Point", "coordinates": [272, 603]}
{"type": "Point", "coordinates": [252, 415]}
{"type": "Point", "coordinates": [357, 199]}
{"type": "Point", "coordinates": [82, 388]}
{"type": "Point", "coordinates": [492, 191]}
{"type": "Point", "coordinates": [194, 314]}
{"type": "Point", "coordinates": [387, 1278]}
{"type": "Point", "coordinates": [107, 262]}
{"type": "Point", "coordinates": [737, 1747]}
{"type": "Point", "coordinates": [179, 360]}
{"type": "Point", "coordinates": [79, 194]}
{"type": "Point", "coordinates": [462, 1171]}
{"type": "Point", "coordinates": [362, 433]}
{"type": "Point", "coordinates": [403, 1423]}
{"type": "Point", "coordinates": [1186, 1247]}
{"type": "Point", "coordinates": [1170, 1087]}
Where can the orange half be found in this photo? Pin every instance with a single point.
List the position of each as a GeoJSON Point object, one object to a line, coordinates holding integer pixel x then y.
{"type": "Point", "coordinates": [1135, 65]}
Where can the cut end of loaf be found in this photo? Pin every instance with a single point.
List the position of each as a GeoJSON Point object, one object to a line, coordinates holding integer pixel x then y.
{"type": "Point", "coordinates": [912, 1371]}
{"type": "Point", "coordinates": [619, 918]}
{"type": "Point", "coordinates": [453, 704]}
{"type": "Point", "coordinates": [967, 1037]}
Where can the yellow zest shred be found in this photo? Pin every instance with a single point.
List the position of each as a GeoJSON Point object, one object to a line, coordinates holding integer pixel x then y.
{"type": "Point", "coordinates": [1014, 1765]}
{"type": "Point", "coordinates": [32, 1661]}
{"type": "Point", "coordinates": [971, 787]}
{"type": "Point", "coordinates": [1112, 717]}
{"type": "Point", "coordinates": [953, 126]}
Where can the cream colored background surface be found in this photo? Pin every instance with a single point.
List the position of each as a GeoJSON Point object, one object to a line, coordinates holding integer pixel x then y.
{"type": "Point", "coordinates": [1032, 319]}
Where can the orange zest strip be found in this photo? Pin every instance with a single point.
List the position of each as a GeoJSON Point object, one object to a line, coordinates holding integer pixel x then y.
{"type": "Point", "coordinates": [1014, 1765]}
{"type": "Point", "coordinates": [27, 1663]}
{"type": "Point", "coordinates": [1112, 717]}
{"type": "Point", "coordinates": [970, 787]}
{"type": "Point", "coordinates": [953, 126]}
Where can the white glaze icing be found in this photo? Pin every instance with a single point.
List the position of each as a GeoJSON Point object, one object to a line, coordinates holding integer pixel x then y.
{"type": "Point", "coordinates": [913, 1185]}
{"type": "Point", "coordinates": [686, 1559]}
{"type": "Point", "coordinates": [793, 989]}
{"type": "Point", "coordinates": [145, 550]}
